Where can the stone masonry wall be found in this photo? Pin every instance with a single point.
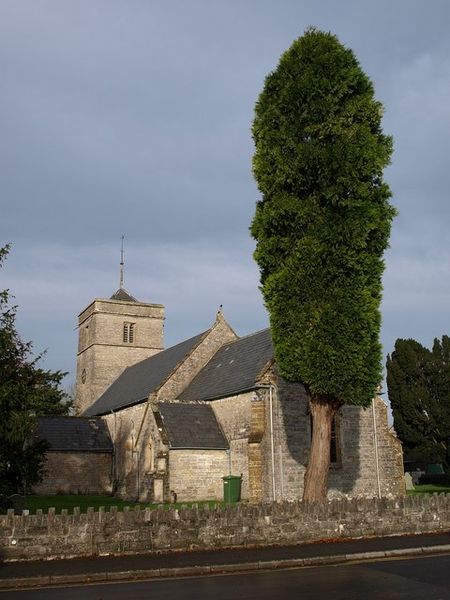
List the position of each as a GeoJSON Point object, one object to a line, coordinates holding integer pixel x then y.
{"type": "Point", "coordinates": [246, 424]}
{"type": "Point", "coordinates": [283, 479]}
{"type": "Point", "coordinates": [197, 474]}
{"type": "Point", "coordinates": [354, 474]}
{"type": "Point", "coordinates": [76, 473]}
{"type": "Point", "coordinates": [233, 415]}
{"type": "Point", "coordinates": [31, 537]}
{"type": "Point", "coordinates": [140, 456]}
{"type": "Point", "coordinates": [102, 353]}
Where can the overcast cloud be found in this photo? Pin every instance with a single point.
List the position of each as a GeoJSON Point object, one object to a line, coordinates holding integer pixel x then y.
{"type": "Point", "coordinates": [134, 117]}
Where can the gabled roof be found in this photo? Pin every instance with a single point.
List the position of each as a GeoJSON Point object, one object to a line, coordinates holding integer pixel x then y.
{"type": "Point", "coordinates": [191, 426]}
{"type": "Point", "coordinates": [75, 434]}
{"type": "Point", "coordinates": [233, 369]}
{"type": "Point", "coordinates": [137, 382]}
{"type": "Point", "coordinates": [123, 295]}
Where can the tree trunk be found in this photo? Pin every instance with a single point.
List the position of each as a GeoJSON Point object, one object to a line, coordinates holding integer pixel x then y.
{"type": "Point", "coordinates": [323, 410]}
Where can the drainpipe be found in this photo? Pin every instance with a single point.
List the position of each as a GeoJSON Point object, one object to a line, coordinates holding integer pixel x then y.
{"type": "Point", "coordinates": [138, 458]}
{"type": "Point", "coordinates": [272, 449]}
{"type": "Point", "coordinates": [114, 469]}
{"type": "Point", "coordinates": [229, 460]}
{"type": "Point", "coordinates": [375, 444]}
{"type": "Point", "coordinates": [280, 450]}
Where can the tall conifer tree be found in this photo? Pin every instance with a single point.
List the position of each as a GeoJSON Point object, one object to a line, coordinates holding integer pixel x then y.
{"type": "Point", "coordinates": [321, 227]}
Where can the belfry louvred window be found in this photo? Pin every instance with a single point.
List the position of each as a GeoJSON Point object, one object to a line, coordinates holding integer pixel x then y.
{"type": "Point", "coordinates": [128, 333]}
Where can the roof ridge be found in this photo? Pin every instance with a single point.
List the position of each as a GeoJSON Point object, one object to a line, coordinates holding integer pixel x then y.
{"type": "Point", "coordinates": [248, 335]}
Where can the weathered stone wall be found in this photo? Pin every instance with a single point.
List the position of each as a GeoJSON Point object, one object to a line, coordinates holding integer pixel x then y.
{"type": "Point", "coordinates": [102, 354]}
{"type": "Point", "coordinates": [140, 457]}
{"type": "Point", "coordinates": [233, 415]}
{"type": "Point", "coordinates": [142, 464]}
{"type": "Point", "coordinates": [30, 537]}
{"type": "Point", "coordinates": [361, 441]}
{"type": "Point", "coordinates": [76, 473]}
{"type": "Point", "coordinates": [355, 474]}
{"type": "Point", "coordinates": [197, 474]}
{"type": "Point", "coordinates": [284, 467]}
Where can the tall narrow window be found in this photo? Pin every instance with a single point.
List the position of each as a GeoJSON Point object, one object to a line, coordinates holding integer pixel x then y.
{"type": "Point", "coordinates": [128, 333]}
{"type": "Point", "coordinates": [335, 442]}
{"type": "Point", "coordinates": [335, 446]}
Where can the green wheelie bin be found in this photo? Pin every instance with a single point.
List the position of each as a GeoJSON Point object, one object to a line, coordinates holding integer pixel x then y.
{"type": "Point", "coordinates": [232, 488]}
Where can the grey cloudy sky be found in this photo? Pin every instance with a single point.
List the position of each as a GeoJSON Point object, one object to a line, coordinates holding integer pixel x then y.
{"type": "Point", "coordinates": [134, 117]}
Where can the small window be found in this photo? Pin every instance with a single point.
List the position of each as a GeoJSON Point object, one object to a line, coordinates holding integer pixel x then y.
{"type": "Point", "coordinates": [128, 333]}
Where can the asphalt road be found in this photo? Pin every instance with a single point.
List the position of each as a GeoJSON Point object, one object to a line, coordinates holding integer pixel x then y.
{"type": "Point", "coordinates": [411, 579]}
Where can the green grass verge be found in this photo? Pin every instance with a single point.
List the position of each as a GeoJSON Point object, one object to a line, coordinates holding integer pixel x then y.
{"type": "Point", "coordinates": [430, 489]}
{"type": "Point", "coordinates": [69, 501]}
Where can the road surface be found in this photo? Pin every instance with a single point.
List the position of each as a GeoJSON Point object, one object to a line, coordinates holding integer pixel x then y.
{"type": "Point", "coordinates": [411, 579]}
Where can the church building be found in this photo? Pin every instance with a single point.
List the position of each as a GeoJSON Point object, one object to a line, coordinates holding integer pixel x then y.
{"type": "Point", "coordinates": [154, 424]}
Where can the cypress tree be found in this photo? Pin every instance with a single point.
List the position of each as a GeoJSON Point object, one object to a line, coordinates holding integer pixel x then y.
{"type": "Point", "coordinates": [321, 226]}
{"type": "Point", "coordinates": [418, 383]}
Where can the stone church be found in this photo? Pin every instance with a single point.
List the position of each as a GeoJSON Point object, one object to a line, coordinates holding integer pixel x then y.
{"type": "Point", "coordinates": [157, 423]}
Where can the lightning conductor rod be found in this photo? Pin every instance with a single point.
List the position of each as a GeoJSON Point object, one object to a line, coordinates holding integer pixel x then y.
{"type": "Point", "coordinates": [121, 264]}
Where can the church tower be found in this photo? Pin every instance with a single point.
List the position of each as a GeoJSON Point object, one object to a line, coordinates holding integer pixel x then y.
{"type": "Point", "coordinates": [114, 334]}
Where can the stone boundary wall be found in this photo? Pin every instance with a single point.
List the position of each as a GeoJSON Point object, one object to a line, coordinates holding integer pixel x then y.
{"type": "Point", "coordinates": [28, 537]}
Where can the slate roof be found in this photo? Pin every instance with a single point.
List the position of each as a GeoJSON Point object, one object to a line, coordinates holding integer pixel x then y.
{"type": "Point", "coordinates": [75, 434]}
{"type": "Point", "coordinates": [192, 426]}
{"type": "Point", "coordinates": [233, 369]}
{"type": "Point", "coordinates": [137, 382]}
{"type": "Point", "coordinates": [122, 294]}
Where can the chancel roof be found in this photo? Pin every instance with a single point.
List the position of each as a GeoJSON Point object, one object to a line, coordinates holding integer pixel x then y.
{"type": "Point", "coordinates": [137, 382]}
{"type": "Point", "coordinates": [233, 369]}
{"type": "Point", "coordinates": [191, 426]}
{"type": "Point", "coordinates": [75, 434]}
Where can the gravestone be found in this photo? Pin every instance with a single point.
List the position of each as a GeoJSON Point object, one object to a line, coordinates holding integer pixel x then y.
{"type": "Point", "coordinates": [409, 482]}
{"type": "Point", "coordinates": [416, 475]}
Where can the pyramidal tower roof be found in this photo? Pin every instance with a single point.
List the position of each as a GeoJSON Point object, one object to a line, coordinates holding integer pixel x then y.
{"type": "Point", "coordinates": [123, 295]}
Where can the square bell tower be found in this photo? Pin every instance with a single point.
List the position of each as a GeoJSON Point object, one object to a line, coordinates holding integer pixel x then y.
{"type": "Point", "coordinates": [114, 334]}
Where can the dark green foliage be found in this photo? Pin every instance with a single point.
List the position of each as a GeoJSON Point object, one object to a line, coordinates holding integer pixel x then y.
{"type": "Point", "coordinates": [419, 392]}
{"type": "Point", "coordinates": [324, 219]}
{"type": "Point", "coordinates": [26, 392]}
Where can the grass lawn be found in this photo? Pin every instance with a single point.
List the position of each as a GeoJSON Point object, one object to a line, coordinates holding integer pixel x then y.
{"type": "Point", "coordinates": [430, 489]}
{"type": "Point", "coordinates": [69, 501]}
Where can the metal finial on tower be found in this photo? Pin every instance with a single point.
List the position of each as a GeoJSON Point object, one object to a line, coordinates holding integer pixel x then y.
{"type": "Point", "coordinates": [121, 265]}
